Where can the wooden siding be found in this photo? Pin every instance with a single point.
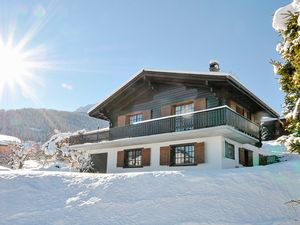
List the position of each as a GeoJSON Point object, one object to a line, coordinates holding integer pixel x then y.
{"type": "Point", "coordinates": [160, 100]}
{"type": "Point", "coordinates": [232, 104]}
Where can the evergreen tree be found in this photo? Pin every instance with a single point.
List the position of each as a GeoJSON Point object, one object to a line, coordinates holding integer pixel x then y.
{"type": "Point", "coordinates": [286, 21]}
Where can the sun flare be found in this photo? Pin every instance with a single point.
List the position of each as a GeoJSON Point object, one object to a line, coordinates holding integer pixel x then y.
{"type": "Point", "coordinates": [19, 66]}
{"type": "Point", "coordinates": [12, 65]}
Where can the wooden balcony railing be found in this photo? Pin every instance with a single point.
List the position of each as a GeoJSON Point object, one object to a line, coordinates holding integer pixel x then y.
{"type": "Point", "coordinates": [176, 123]}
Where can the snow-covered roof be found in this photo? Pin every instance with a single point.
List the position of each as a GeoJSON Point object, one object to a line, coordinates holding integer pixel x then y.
{"type": "Point", "coordinates": [5, 139]}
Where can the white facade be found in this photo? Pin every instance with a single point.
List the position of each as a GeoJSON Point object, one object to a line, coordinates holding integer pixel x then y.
{"type": "Point", "coordinates": [213, 138]}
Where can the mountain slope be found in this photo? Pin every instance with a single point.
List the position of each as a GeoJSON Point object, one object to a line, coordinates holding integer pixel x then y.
{"type": "Point", "coordinates": [84, 109]}
{"type": "Point", "coordinates": [39, 124]}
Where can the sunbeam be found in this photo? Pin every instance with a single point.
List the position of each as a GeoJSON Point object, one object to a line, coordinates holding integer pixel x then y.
{"type": "Point", "coordinates": [19, 66]}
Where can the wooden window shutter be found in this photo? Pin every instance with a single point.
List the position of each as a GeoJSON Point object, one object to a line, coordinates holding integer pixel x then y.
{"type": "Point", "coordinates": [121, 121]}
{"type": "Point", "coordinates": [242, 156]}
{"type": "Point", "coordinates": [200, 104]}
{"type": "Point", "coordinates": [146, 115]}
{"type": "Point", "coordinates": [120, 159]}
{"type": "Point", "coordinates": [199, 153]}
{"type": "Point", "coordinates": [166, 110]}
{"type": "Point", "coordinates": [165, 155]}
{"type": "Point", "coordinates": [250, 158]}
{"type": "Point", "coordinates": [146, 156]}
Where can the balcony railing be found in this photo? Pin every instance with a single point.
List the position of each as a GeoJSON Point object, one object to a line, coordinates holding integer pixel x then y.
{"type": "Point", "coordinates": [176, 123]}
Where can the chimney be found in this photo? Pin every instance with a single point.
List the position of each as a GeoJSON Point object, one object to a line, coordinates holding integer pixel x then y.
{"type": "Point", "coordinates": [214, 66]}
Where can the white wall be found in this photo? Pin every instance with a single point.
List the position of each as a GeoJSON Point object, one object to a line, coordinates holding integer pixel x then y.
{"type": "Point", "coordinates": [213, 155]}
{"type": "Point", "coordinates": [230, 163]}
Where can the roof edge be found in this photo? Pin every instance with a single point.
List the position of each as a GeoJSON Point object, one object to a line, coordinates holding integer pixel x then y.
{"type": "Point", "coordinates": [229, 76]}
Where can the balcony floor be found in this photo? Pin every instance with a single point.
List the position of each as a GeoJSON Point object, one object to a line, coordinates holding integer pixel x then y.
{"type": "Point", "coordinates": [225, 131]}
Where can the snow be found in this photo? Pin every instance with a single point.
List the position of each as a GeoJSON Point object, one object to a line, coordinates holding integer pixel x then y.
{"type": "Point", "coordinates": [5, 139]}
{"type": "Point", "coordinates": [256, 195]}
{"type": "Point", "coordinates": [2, 168]}
{"type": "Point", "coordinates": [274, 148]}
{"type": "Point", "coordinates": [280, 16]}
{"type": "Point", "coordinates": [56, 142]}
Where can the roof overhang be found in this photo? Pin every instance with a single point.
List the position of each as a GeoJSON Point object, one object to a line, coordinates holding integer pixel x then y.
{"type": "Point", "coordinates": [178, 77]}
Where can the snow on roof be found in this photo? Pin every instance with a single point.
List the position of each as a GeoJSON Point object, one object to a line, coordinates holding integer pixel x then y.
{"type": "Point", "coordinates": [5, 139]}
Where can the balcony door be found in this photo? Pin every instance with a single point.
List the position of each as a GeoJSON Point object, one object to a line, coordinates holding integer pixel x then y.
{"type": "Point", "coordinates": [185, 122]}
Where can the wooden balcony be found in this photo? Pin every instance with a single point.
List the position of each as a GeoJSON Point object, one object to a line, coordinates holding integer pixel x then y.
{"type": "Point", "coordinates": [214, 117]}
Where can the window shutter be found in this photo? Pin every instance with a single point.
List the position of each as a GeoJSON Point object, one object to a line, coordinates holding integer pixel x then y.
{"type": "Point", "coordinates": [199, 153]}
{"type": "Point", "coordinates": [242, 156]}
{"type": "Point", "coordinates": [165, 156]}
{"type": "Point", "coordinates": [200, 104]}
{"type": "Point", "coordinates": [250, 158]}
{"type": "Point", "coordinates": [146, 156]}
{"type": "Point", "coordinates": [146, 115]}
{"type": "Point", "coordinates": [120, 159]}
{"type": "Point", "coordinates": [121, 121]}
{"type": "Point", "coordinates": [166, 110]}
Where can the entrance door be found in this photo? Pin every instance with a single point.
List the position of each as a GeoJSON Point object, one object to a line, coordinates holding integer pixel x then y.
{"type": "Point", "coordinates": [245, 157]}
{"type": "Point", "coordinates": [100, 162]}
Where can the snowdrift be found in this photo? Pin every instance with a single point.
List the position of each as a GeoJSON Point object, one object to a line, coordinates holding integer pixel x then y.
{"type": "Point", "coordinates": [257, 195]}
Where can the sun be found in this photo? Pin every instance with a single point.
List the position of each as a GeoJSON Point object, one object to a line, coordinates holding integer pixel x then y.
{"type": "Point", "coordinates": [12, 65]}
{"type": "Point", "coordinates": [19, 67]}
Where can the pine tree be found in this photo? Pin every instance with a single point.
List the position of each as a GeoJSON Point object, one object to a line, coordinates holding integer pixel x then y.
{"type": "Point", "coordinates": [289, 72]}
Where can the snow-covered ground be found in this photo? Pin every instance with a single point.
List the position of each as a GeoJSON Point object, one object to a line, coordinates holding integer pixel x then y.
{"type": "Point", "coordinates": [256, 195]}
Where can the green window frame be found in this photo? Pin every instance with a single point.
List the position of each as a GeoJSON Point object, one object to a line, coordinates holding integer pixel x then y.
{"type": "Point", "coordinates": [229, 150]}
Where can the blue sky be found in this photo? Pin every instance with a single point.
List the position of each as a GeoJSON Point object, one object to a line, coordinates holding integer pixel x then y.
{"type": "Point", "coordinates": [98, 45]}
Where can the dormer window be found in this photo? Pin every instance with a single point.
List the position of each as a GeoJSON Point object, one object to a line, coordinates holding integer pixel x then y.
{"type": "Point", "coordinates": [135, 118]}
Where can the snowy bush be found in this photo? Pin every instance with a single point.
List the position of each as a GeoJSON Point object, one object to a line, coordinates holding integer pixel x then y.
{"type": "Point", "coordinates": [58, 149]}
{"type": "Point", "coordinates": [15, 156]}
{"type": "Point", "coordinates": [287, 22]}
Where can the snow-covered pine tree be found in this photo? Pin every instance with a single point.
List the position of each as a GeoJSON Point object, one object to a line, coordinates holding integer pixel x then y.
{"type": "Point", "coordinates": [287, 22]}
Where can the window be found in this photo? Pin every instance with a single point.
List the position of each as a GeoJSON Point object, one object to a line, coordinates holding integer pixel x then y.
{"type": "Point", "coordinates": [184, 123]}
{"type": "Point", "coordinates": [212, 101]}
{"type": "Point", "coordinates": [135, 118]}
{"type": "Point", "coordinates": [180, 109]}
{"type": "Point", "coordinates": [249, 115]}
{"type": "Point", "coordinates": [240, 110]}
{"type": "Point", "coordinates": [229, 151]}
{"type": "Point", "coordinates": [133, 158]}
{"type": "Point", "coordinates": [183, 155]}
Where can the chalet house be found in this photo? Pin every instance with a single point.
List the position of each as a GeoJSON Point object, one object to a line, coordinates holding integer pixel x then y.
{"type": "Point", "coordinates": [5, 140]}
{"type": "Point", "coordinates": [169, 120]}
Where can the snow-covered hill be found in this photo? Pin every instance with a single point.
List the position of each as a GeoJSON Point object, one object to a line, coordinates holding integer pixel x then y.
{"type": "Point", "coordinates": [39, 124]}
{"type": "Point", "coordinates": [257, 195]}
